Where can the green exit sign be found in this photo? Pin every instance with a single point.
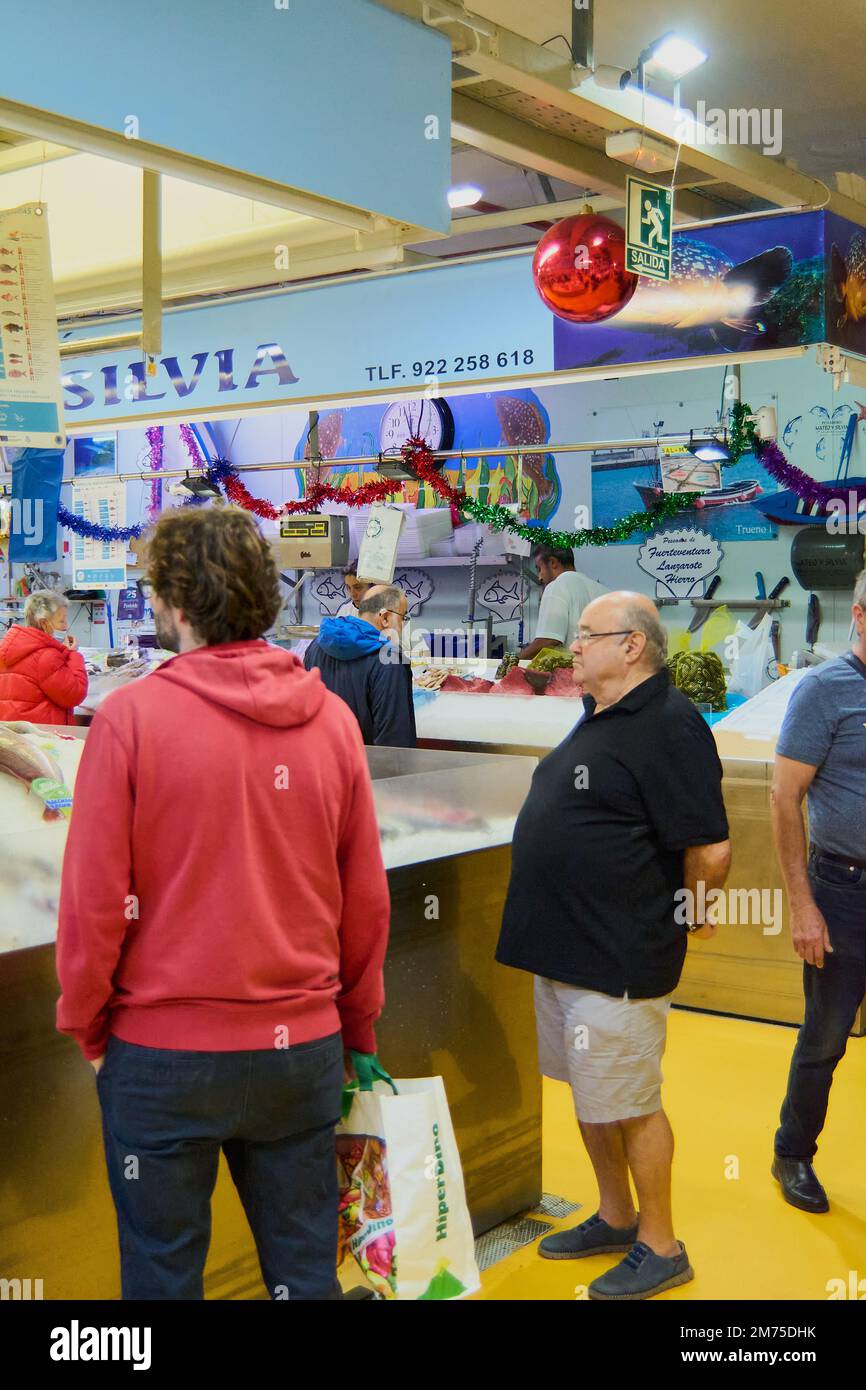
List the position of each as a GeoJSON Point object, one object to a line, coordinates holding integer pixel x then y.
{"type": "Point", "coordinates": [649, 218]}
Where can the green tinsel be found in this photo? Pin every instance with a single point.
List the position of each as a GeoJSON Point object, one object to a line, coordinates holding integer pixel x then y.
{"type": "Point", "coordinates": [500, 519]}
{"type": "Point", "coordinates": [742, 435]}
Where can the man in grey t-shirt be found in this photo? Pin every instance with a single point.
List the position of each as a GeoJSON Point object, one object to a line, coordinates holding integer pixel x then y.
{"type": "Point", "coordinates": [821, 754]}
{"type": "Point", "coordinates": [565, 594]}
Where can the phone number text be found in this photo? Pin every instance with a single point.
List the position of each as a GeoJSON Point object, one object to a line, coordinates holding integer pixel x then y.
{"type": "Point", "coordinates": [426, 367]}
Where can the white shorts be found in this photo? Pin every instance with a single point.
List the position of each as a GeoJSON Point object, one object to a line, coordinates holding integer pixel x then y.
{"type": "Point", "coordinates": [608, 1050]}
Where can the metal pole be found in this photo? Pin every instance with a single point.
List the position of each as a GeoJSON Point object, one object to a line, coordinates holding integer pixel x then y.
{"type": "Point", "coordinates": [501, 451]}
{"type": "Point", "coordinates": [151, 266]}
{"type": "Point", "coordinates": [581, 34]}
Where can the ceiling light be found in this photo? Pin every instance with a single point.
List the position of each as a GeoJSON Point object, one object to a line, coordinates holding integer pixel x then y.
{"type": "Point", "coordinates": [464, 195]}
{"type": "Point", "coordinates": [708, 448]}
{"type": "Point", "coordinates": [674, 56]}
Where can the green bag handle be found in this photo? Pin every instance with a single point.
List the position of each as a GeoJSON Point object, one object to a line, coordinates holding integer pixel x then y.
{"type": "Point", "coordinates": [367, 1069]}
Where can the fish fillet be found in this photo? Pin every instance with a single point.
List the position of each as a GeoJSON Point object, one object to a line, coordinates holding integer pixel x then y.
{"type": "Point", "coordinates": [25, 761]}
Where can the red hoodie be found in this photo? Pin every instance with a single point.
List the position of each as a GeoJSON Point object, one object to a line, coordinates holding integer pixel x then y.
{"type": "Point", "coordinates": [40, 679]}
{"type": "Point", "coordinates": [205, 905]}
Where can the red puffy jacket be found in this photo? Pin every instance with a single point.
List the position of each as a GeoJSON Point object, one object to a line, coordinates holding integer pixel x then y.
{"type": "Point", "coordinates": [40, 679]}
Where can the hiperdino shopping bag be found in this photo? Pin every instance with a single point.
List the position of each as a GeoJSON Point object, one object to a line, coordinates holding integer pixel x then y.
{"type": "Point", "coordinates": [403, 1213]}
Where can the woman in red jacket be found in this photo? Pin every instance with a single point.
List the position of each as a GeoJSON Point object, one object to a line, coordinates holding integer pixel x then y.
{"type": "Point", "coordinates": [42, 676]}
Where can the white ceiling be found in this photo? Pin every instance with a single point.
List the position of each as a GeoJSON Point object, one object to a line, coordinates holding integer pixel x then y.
{"type": "Point", "coordinates": [94, 209]}
{"type": "Point", "coordinates": [804, 57]}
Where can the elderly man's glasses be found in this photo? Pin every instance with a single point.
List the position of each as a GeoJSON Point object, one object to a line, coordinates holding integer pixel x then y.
{"type": "Point", "coordinates": [583, 636]}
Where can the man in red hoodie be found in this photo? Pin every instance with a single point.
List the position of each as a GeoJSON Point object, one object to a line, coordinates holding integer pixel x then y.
{"type": "Point", "coordinates": [223, 922]}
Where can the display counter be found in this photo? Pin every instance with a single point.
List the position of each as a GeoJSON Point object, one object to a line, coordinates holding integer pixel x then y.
{"type": "Point", "coordinates": [447, 820]}
{"type": "Point", "coordinates": [749, 969]}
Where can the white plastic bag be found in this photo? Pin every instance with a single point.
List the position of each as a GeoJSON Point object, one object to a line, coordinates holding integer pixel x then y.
{"type": "Point", "coordinates": [753, 666]}
{"type": "Point", "coordinates": [403, 1213]}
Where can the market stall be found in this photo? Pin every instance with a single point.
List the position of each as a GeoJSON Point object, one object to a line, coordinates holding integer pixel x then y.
{"type": "Point", "coordinates": [446, 821]}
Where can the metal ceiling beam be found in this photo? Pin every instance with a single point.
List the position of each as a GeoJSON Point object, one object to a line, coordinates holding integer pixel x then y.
{"type": "Point", "coordinates": [228, 266]}
{"type": "Point", "coordinates": [522, 217]}
{"type": "Point", "coordinates": [30, 153]}
{"type": "Point", "coordinates": [41, 125]}
{"type": "Point", "coordinates": [500, 55]}
{"type": "Point", "coordinates": [510, 138]}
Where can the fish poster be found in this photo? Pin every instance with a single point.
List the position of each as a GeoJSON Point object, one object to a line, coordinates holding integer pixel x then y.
{"type": "Point", "coordinates": [488, 420]}
{"type": "Point", "coordinates": [738, 287]}
{"type": "Point", "coordinates": [845, 278]}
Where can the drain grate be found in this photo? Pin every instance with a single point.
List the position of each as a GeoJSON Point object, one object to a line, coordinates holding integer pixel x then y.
{"type": "Point", "coordinates": [503, 1240]}
{"type": "Point", "coordinates": [557, 1207]}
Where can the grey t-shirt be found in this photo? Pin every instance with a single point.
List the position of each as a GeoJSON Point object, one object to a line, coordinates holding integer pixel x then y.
{"type": "Point", "coordinates": [825, 725]}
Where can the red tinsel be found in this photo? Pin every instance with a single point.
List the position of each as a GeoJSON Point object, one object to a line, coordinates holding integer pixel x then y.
{"type": "Point", "coordinates": [419, 460]}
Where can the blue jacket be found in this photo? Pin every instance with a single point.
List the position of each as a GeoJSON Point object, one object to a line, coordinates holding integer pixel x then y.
{"type": "Point", "coordinates": [347, 655]}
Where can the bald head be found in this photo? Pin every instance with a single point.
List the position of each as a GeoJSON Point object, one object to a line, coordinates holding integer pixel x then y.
{"type": "Point", "coordinates": [385, 606]}
{"type": "Point", "coordinates": [628, 611]}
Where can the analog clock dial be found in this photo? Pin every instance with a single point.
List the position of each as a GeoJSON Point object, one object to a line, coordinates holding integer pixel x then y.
{"type": "Point", "coordinates": [427, 419]}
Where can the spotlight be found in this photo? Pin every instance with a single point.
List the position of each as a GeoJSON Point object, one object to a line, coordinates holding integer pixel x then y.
{"type": "Point", "coordinates": [464, 195]}
{"type": "Point", "coordinates": [198, 486]}
{"type": "Point", "coordinates": [674, 56]}
{"type": "Point", "coordinates": [708, 448]}
{"type": "Point", "coordinates": [671, 56]}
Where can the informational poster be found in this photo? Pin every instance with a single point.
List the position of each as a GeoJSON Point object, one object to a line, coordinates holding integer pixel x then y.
{"type": "Point", "coordinates": [99, 564]}
{"type": "Point", "coordinates": [378, 554]}
{"type": "Point", "coordinates": [31, 397]}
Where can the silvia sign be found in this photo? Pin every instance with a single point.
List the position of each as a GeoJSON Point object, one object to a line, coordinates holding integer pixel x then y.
{"type": "Point", "coordinates": [105, 387]}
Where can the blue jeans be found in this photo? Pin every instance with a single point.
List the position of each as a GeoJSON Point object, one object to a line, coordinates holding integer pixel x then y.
{"type": "Point", "coordinates": [165, 1117]}
{"type": "Point", "coordinates": [833, 995]}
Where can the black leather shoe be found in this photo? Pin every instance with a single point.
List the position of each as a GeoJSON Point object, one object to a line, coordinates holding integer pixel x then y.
{"type": "Point", "coordinates": [799, 1184]}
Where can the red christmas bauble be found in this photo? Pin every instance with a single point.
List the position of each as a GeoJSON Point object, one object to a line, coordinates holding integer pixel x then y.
{"type": "Point", "coordinates": [579, 269]}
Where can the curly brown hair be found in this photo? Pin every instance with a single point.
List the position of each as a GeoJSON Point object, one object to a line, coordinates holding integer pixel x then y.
{"type": "Point", "coordinates": [215, 565]}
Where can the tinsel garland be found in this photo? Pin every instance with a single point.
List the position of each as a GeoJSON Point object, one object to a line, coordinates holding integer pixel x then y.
{"type": "Point", "coordinates": [744, 438]}
{"type": "Point", "coordinates": [156, 442]}
{"type": "Point", "coordinates": [419, 461]}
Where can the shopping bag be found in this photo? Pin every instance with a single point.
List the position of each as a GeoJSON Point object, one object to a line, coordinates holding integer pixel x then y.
{"type": "Point", "coordinates": [402, 1213]}
{"type": "Point", "coordinates": [754, 666]}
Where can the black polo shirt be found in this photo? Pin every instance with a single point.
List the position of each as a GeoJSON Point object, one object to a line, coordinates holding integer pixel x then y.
{"type": "Point", "coordinates": [598, 845]}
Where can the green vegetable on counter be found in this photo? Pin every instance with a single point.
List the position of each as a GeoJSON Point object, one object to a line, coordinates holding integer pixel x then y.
{"type": "Point", "coordinates": [700, 676]}
{"type": "Point", "coordinates": [506, 664]}
{"type": "Point", "coordinates": [552, 659]}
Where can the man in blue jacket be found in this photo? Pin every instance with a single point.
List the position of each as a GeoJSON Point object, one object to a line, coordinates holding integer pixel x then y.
{"type": "Point", "coordinates": [360, 660]}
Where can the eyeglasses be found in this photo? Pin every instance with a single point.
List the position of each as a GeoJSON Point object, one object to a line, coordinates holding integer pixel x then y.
{"type": "Point", "coordinates": [394, 613]}
{"type": "Point", "coordinates": [583, 636]}
{"type": "Point", "coordinates": [145, 588]}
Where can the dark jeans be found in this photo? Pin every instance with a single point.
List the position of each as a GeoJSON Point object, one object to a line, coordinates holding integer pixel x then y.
{"type": "Point", "coordinates": [165, 1117]}
{"type": "Point", "coordinates": [832, 998]}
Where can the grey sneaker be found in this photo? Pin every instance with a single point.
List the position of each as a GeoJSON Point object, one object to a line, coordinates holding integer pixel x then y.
{"type": "Point", "coordinates": [642, 1274]}
{"type": "Point", "coordinates": [592, 1237]}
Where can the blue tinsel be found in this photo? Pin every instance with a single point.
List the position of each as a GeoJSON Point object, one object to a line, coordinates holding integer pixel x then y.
{"type": "Point", "coordinates": [215, 473]}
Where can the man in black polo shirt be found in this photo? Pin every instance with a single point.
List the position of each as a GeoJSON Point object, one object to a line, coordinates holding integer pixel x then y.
{"type": "Point", "coordinates": [624, 814]}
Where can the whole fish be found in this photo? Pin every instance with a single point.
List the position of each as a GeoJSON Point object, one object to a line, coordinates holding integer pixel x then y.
{"type": "Point", "coordinates": [849, 280]}
{"type": "Point", "coordinates": [708, 290]}
{"type": "Point", "coordinates": [25, 761]}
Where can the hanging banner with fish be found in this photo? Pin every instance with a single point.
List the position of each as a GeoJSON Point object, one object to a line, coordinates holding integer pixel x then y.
{"type": "Point", "coordinates": [485, 421]}
{"type": "Point", "coordinates": [845, 268]}
{"type": "Point", "coordinates": [733, 288]}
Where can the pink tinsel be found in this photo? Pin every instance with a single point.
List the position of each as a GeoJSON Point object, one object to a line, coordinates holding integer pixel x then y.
{"type": "Point", "coordinates": [792, 478]}
{"type": "Point", "coordinates": [156, 442]}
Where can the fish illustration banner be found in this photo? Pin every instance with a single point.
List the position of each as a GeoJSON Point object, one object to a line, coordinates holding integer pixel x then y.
{"type": "Point", "coordinates": [738, 287]}
{"type": "Point", "coordinates": [447, 330]}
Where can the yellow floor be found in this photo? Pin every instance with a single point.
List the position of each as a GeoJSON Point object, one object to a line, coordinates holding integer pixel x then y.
{"type": "Point", "coordinates": [724, 1079]}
